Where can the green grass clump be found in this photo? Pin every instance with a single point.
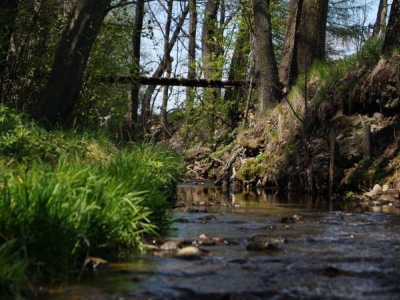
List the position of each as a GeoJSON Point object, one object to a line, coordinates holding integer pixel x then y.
{"type": "Point", "coordinates": [79, 195]}
{"type": "Point", "coordinates": [13, 266]}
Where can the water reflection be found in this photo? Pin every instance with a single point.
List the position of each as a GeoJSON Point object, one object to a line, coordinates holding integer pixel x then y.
{"type": "Point", "coordinates": [331, 255]}
{"type": "Point", "coordinates": [208, 194]}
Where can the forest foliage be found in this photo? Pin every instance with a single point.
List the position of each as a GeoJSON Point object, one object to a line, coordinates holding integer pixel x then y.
{"type": "Point", "coordinates": [74, 165]}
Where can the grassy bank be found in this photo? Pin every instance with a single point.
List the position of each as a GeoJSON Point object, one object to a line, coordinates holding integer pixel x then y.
{"type": "Point", "coordinates": [64, 195]}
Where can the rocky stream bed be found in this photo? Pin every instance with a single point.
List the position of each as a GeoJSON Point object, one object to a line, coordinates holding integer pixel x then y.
{"type": "Point", "coordinates": [256, 246]}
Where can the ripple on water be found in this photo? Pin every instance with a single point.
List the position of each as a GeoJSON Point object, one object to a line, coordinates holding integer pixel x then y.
{"type": "Point", "coordinates": [331, 255]}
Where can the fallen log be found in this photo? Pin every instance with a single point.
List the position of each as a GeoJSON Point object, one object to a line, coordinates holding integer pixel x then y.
{"type": "Point", "coordinates": [178, 81]}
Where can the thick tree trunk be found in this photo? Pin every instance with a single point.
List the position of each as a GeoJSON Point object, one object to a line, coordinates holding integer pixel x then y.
{"type": "Point", "coordinates": [312, 33]}
{"type": "Point", "coordinates": [288, 69]}
{"type": "Point", "coordinates": [209, 57]}
{"type": "Point", "coordinates": [209, 45]}
{"type": "Point", "coordinates": [380, 23]}
{"type": "Point", "coordinates": [65, 81]}
{"type": "Point", "coordinates": [238, 71]}
{"type": "Point", "coordinates": [392, 37]}
{"type": "Point", "coordinates": [265, 67]}
{"type": "Point", "coordinates": [8, 14]}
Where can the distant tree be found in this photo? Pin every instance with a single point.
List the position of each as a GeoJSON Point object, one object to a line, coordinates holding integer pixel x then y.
{"type": "Point", "coordinates": [191, 52]}
{"type": "Point", "coordinates": [135, 71]}
{"type": "Point", "coordinates": [65, 80]}
{"type": "Point", "coordinates": [164, 64]}
{"type": "Point", "coordinates": [392, 37]}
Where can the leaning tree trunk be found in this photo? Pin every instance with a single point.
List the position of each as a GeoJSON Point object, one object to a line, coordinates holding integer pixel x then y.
{"type": "Point", "coordinates": [380, 23]}
{"type": "Point", "coordinates": [392, 37]}
{"type": "Point", "coordinates": [8, 14]}
{"type": "Point", "coordinates": [288, 70]}
{"type": "Point", "coordinates": [265, 67]}
{"type": "Point", "coordinates": [65, 81]}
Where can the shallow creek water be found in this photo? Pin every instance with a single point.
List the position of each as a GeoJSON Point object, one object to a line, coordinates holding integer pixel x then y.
{"type": "Point", "coordinates": [331, 255]}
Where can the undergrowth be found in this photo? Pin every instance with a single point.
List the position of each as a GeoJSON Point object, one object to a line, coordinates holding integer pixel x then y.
{"type": "Point", "coordinates": [68, 194]}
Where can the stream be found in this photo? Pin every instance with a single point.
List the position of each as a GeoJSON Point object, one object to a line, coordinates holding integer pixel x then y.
{"type": "Point", "coordinates": [326, 253]}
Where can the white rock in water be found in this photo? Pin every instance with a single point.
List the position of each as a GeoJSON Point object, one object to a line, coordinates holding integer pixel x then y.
{"type": "Point", "coordinates": [170, 245]}
{"type": "Point", "coordinates": [188, 251]}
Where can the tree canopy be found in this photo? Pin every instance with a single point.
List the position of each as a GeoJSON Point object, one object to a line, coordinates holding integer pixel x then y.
{"type": "Point", "coordinates": [56, 54]}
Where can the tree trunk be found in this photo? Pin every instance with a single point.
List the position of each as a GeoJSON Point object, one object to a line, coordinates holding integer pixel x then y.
{"type": "Point", "coordinates": [392, 37]}
{"type": "Point", "coordinates": [238, 71]}
{"type": "Point", "coordinates": [65, 81]}
{"type": "Point", "coordinates": [265, 67]}
{"type": "Point", "coordinates": [136, 41]}
{"type": "Point", "coordinates": [209, 44]}
{"type": "Point", "coordinates": [168, 67]}
{"type": "Point", "coordinates": [209, 57]}
{"type": "Point", "coordinates": [192, 53]}
{"type": "Point", "coordinates": [380, 23]}
{"type": "Point", "coordinates": [311, 33]}
{"type": "Point", "coordinates": [288, 69]}
{"type": "Point", "coordinates": [8, 14]}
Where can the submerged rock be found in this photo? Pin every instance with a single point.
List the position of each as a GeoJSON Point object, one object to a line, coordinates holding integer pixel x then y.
{"type": "Point", "coordinates": [265, 243]}
{"type": "Point", "coordinates": [292, 220]}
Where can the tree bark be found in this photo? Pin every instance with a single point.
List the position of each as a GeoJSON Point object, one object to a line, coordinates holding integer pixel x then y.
{"type": "Point", "coordinates": [238, 71]}
{"type": "Point", "coordinates": [136, 41]}
{"type": "Point", "coordinates": [209, 44]}
{"type": "Point", "coordinates": [380, 23]}
{"type": "Point", "coordinates": [168, 67]}
{"type": "Point", "coordinates": [265, 67]}
{"type": "Point", "coordinates": [8, 14]}
{"type": "Point", "coordinates": [288, 69]}
{"type": "Point", "coordinates": [392, 37]}
{"type": "Point", "coordinates": [311, 33]}
{"type": "Point", "coordinates": [191, 53]}
{"type": "Point", "coordinates": [65, 80]}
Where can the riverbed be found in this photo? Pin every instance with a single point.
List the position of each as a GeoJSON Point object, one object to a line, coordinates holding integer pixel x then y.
{"type": "Point", "coordinates": [324, 252]}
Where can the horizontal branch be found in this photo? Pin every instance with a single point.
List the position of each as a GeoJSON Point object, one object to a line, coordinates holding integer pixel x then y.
{"type": "Point", "coordinates": [179, 82]}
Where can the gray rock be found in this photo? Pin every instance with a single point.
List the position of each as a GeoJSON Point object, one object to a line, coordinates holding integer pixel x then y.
{"type": "Point", "coordinates": [378, 116]}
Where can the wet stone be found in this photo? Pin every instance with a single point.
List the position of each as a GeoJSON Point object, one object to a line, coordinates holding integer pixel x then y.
{"type": "Point", "coordinates": [295, 219]}
{"type": "Point", "coordinates": [257, 246]}
{"type": "Point", "coordinates": [208, 218]}
{"type": "Point", "coordinates": [170, 245]}
{"type": "Point", "coordinates": [197, 210]}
